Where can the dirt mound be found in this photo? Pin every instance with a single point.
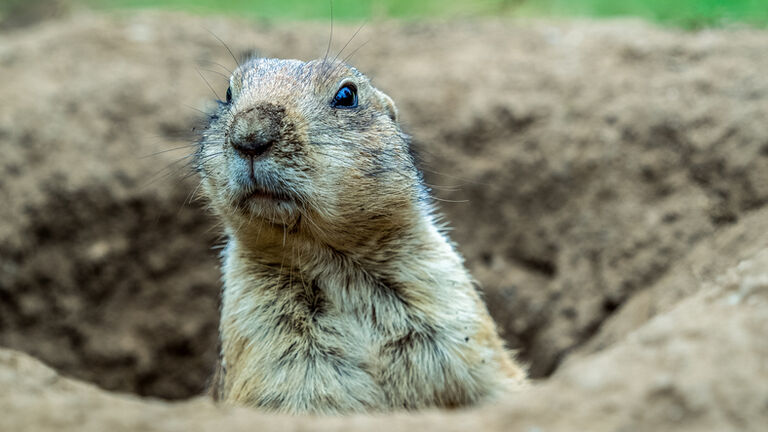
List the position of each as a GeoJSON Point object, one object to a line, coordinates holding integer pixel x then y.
{"type": "Point", "coordinates": [699, 366]}
{"type": "Point", "coordinates": [583, 165]}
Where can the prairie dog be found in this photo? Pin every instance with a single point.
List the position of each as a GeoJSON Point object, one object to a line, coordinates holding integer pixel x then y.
{"type": "Point", "coordinates": [342, 293]}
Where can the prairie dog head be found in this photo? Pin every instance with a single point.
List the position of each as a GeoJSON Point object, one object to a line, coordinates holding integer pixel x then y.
{"type": "Point", "coordinates": [307, 145]}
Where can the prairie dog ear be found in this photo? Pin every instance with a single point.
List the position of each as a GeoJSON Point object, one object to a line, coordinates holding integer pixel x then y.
{"type": "Point", "coordinates": [388, 105]}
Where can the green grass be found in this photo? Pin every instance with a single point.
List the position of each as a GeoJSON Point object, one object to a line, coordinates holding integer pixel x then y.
{"type": "Point", "coordinates": [682, 13]}
{"type": "Point", "coordinates": [343, 10]}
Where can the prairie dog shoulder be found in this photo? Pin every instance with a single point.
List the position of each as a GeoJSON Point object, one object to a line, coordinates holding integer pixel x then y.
{"type": "Point", "coordinates": [341, 294]}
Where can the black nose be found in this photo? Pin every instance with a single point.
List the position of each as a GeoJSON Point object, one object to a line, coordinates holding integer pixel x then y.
{"type": "Point", "coordinates": [256, 130]}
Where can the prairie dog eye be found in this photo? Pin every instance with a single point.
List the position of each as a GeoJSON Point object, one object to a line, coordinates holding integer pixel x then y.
{"type": "Point", "coordinates": [229, 94]}
{"type": "Point", "coordinates": [346, 97]}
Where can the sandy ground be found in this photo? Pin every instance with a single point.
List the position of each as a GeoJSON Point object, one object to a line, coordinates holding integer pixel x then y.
{"type": "Point", "coordinates": [607, 183]}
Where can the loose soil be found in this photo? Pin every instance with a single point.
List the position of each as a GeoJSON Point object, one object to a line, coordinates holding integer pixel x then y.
{"type": "Point", "coordinates": [596, 175]}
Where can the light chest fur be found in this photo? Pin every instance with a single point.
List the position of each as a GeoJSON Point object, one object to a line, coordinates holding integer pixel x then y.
{"type": "Point", "coordinates": [319, 333]}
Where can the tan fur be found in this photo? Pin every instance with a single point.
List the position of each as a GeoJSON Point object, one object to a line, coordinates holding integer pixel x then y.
{"type": "Point", "coordinates": [341, 293]}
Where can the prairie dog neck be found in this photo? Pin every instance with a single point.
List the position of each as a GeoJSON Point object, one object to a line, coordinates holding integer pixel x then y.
{"type": "Point", "coordinates": [420, 260]}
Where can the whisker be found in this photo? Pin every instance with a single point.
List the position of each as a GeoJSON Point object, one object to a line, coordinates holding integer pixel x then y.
{"type": "Point", "coordinates": [209, 84]}
{"type": "Point", "coordinates": [330, 73]}
{"type": "Point", "coordinates": [217, 73]}
{"type": "Point", "coordinates": [211, 62]}
{"type": "Point", "coordinates": [349, 56]}
{"type": "Point", "coordinates": [190, 196]}
{"type": "Point", "coordinates": [425, 169]}
{"type": "Point", "coordinates": [349, 41]}
{"type": "Point", "coordinates": [225, 46]}
{"type": "Point", "coordinates": [450, 201]}
{"type": "Point", "coordinates": [168, 150]}
{"type": "Point", "coordinates": [448, 188]}
{"type": "Point", "coordinates": [330, 38]}
{"type": "Point", "coordinates": [174, 167]}
{"type": "Point", "coordinates": [196, 109]}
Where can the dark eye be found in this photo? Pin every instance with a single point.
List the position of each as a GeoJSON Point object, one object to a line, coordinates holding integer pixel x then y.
{"type": "Point", "coordinates": [229, 94]}
{"type": "Point", "coordinates": [346, 97]}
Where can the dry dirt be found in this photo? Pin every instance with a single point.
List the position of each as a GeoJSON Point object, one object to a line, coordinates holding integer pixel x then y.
{"type": "Point", "coordinates": [606, 181]}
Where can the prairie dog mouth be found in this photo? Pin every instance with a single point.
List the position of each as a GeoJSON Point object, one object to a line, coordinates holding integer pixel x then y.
{"type": "Point", "coordinates": [261, 193]}
{"type": "Point", "coordinates": [277, 207]}
{"type": "Point", "coordinates": [257, 182]}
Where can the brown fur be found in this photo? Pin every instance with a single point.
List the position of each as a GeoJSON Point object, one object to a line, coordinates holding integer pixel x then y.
{"type": "Point", "coordinates": [341, 292]}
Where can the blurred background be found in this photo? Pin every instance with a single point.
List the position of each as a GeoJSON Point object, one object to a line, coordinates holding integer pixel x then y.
{"type": "Point", "coordinates": [688, 14]}
{"type": "Point", "coordinates": [599, 161]}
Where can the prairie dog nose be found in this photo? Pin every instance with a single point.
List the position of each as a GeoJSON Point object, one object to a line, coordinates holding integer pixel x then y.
{"type": "Point", "coordinates": [256, 130]}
